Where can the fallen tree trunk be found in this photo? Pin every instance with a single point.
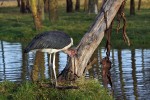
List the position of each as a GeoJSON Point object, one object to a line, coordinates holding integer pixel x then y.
{"type": "Point", "coordinates": [77, 65]}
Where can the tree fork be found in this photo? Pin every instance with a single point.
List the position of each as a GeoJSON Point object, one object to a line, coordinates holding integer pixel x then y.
{"type": "Point", "coordinates": [75, 66]}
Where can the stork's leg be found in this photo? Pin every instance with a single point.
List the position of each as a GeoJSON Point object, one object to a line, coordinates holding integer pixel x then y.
{"type": "Point", "coordinates": [54, 69]}
{"type": "Point", "coordinates": [50, 65]}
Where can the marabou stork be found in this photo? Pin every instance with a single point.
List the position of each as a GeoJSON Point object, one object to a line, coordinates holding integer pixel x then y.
{"type": "Point", "coordinates": [52, 42]}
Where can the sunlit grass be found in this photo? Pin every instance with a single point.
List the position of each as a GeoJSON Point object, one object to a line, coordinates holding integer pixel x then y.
{"type": "Point", "coordinates": [15, 26]}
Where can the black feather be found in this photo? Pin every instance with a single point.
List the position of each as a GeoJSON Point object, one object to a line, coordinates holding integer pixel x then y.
{"type": "Point", "coordinates": [51, 39]}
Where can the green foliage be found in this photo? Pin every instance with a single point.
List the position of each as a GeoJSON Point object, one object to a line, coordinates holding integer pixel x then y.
{"type": "Point", "coordinates": [88, 90]}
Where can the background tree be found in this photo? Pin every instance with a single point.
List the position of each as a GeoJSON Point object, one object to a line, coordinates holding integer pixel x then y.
{"type": "Point", "coordinates": [69, 6]}
{"type": "Point", "coordinates": [132, 7]}
{"type": "Point", "coordinates": [91, 40]}
{"type": "Point", "coordinates": [46, 5]}
{"type": "Point", "coordinates": [18, 3]}
{"type": "Point", "coordinates": [24, 7]}
{"type": "Point", "coordinates": [139, 5]}
{"type": "Point", "coordinates": [93, 6]}
{"type": "Point", "coordinates": [37, 21]}
{"type": "Point", "coordinates": [77, 6]}
{"type": "Point", "coordinates": [85, 5]}
{"type": "Point", "coordinates": [52, 10]}
{"type": "Point", "coordinates": [40, 9]}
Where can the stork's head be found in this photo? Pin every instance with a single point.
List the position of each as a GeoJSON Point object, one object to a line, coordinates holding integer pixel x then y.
{"type": "Point", "coordinates": [71, 52]}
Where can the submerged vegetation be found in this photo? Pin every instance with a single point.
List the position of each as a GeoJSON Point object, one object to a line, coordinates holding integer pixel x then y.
{"type": "Point", "coordinates": [89, 90]}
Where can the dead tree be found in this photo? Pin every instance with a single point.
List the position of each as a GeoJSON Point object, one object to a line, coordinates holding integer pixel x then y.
{"type": "Point", "coordinates": [76, 66]}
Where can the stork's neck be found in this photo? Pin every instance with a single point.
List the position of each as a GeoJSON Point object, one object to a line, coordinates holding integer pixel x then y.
{"type": "Point", "coordinates": [70, 52]}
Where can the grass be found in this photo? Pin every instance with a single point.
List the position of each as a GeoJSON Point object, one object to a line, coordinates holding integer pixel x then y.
{"type": "Point", "coordinates": [89, 90]}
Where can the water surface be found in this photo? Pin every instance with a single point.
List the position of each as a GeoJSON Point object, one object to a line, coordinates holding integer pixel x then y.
{"type": "Point", "coordinates": [130, 68]}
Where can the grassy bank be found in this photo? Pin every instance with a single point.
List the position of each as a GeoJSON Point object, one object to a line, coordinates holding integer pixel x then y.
{"type": "Point", "coordinates": [89, 90]}
{"type": "Point", "coordinates": [16, 27]}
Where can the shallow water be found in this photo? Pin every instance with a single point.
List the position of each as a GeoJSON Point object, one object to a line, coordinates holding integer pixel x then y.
{"type": "Point", "coordinates": [130, 68]}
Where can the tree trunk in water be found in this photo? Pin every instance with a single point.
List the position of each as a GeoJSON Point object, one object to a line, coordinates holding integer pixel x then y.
{"type": "Point", "coordinates": [85, 5]}
{"type": "Point", "coordinates": [77, 7]}
{"type": "Point", "coordinates": [36, 18]}
{"type": "Point", "coordinates": [52, 10]}
{"type": "Point", "coordinates": [93, 6]}
{"type": "Point", "coordinates": [132, 7]}
{"type": "Point", "coordinates": [139, 5]}
{"type": "Point", "coordinates": [69, 6]}
{"type": "Point", "coordinates": [41, 10]}
{"type": "Point", "coordinates": [91, 40]}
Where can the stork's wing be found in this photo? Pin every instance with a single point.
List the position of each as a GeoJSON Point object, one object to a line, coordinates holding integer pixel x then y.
{"type": "Point", "coordinates": [51, 40]}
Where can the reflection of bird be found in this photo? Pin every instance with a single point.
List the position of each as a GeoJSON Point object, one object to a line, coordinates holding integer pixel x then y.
{"type": "Point", "coordinates": [52, 42]}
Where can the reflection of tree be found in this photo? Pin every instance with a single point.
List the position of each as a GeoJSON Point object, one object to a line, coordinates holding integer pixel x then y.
{"type": "Point", "coordinates": [143, 59]}
{"type": "Point", "coordinates": [95, 64]}
{"type": "Point", "coordinates": [121, 74]}
{"type": "Point", "coordinates": [99, 64]}
{"type": "Point", "coordinates": [38, 67]}
{"type": "Point", "coordinates": [3, 59]}
{"type": "Point", "coordinates": [93, 70]}
{"type": "Point", "coordinates": [24, 58]}
{"type": "Point", "coordinates": [134, 73]}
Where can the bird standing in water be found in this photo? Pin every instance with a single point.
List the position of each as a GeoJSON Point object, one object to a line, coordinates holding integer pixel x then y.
{"type": "Point", "coordinates": [52, 42]}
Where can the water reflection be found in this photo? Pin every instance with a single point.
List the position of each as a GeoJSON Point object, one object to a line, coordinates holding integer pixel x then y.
{"type": "Point", "coordinates": [10, 61]}
{"type": "Point", "coordinates": [130, 68]}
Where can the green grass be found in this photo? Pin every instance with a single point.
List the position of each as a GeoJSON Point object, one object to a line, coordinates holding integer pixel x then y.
{"type": "Point", "coordinates": [138, 30]}
{"type": "Point", "coordinates": [19, 27]}
{"type": "Point", "coordinates": [88, 90]}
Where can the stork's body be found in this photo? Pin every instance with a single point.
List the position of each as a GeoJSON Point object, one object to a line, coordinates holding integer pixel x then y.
{"type": "Point", "coordinates": [51, 42]}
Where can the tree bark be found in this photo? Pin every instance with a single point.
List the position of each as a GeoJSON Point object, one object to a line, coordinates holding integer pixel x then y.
{"type": "Point", "coordinates": [52, 6]}
{"type": "Point", "coordinates": [85, 5]}
{"type": "Point", "coordinates": [41, 10]}
{"type": "Point", "coordinates": [46, 5]}
{"type": "Point", "coordinates": [69, 6]}
{"type": "Point", "coordinates": [139, 5]}
{"type": "Point", "coordinates": [18, 3]}
{"type": "Point", "coordinates": [132, 7]}
{"type": "Point", "coordinates": [35, 15]}
{"type": "Point", "coordinates": [91, 40]}
{"type": "Point", "coordinates": [93, 6]}
{"type": "Point", "coordinates": [77, 7]}
{"type": "Point", "coordinates": [24, 6]}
